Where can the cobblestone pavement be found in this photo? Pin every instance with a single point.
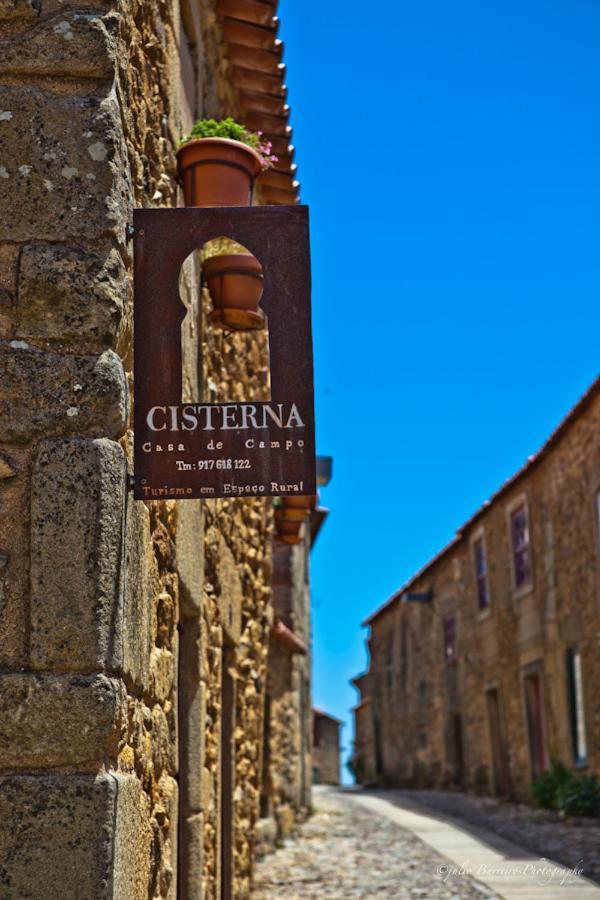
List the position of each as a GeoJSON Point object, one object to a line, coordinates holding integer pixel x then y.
{"type": "Point", "coordinates": [568, 841]}
{"type": "Point", "coordinates": [345, 851]}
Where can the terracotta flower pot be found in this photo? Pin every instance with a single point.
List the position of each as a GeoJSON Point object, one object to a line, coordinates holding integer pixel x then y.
{"type": "Point", "coordinates": [235, 284]}
{"type": "Point", "coordinates": [288, 530]}
{"type": "Point", "coordinates": [298, 507]}
{"type": "Point", "coordinates": [217, 172]}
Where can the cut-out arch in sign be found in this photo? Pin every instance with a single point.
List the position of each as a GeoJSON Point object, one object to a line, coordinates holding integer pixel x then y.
{"type": "Point", "coordinates": [212, 450]}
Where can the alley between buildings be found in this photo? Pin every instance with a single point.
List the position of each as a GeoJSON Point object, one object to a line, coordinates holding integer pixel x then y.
{"type": "Point", "coordinates": [361, 844]}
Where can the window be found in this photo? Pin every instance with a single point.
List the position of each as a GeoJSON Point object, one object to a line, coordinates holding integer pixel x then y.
{"type": "Point", "coordinates": [316, 732]}
{"type": "Point", "coordinates": [576, 707]}
{"type": "Point", "coordinates": [403, 654]}
{"type": "Point", "coordinates": [449, 638]}
{"type": "Point", "coordinates": [481, 573]}
{"type": "Point", "coordinates": [389, 651]}
{"type": "Point", "coordinates": [521, 553]}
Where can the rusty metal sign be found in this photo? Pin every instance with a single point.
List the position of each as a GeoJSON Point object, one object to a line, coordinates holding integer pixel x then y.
{"type": "Point", "coordinates": [204, 450]}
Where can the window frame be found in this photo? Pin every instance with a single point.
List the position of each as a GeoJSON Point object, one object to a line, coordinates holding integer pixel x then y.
{"type": "Point", "coordinates": [478, 538]}
{"type": "Point", "coordinates": [520, 502]}
{"type": "Point", "coordinates": [389, 660]}
{"type": "Point", "coordinates": [450, 658]}
{"type": "Point", "coordinates": [403, 665]}
{"type": "Point", "coordinates": [576, 706]}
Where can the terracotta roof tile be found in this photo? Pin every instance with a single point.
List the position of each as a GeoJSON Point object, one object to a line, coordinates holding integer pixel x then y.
{"type": "Point", "coordinates": [288, 638]}
{"type": "Point", "coordinates": [264, 103]}
{"type": "Point", "coordinates": [324, 715]}
{"type": "Point", "coordinates": [256, 11]}
{"type": "Point", "coordinates": [254, 54]}
{"type": "Point", "coordinates": [253, 80]}
{"type": "Point", "coordinates": [251, 58]}
{"type": "Point", "coordinates": [236, 32]}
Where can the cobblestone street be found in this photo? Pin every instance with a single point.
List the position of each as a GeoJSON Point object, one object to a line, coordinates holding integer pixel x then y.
{"type": "Point", "coordinates": [382, 844]}
{"type": "Point", "coordinates": [346, 851]}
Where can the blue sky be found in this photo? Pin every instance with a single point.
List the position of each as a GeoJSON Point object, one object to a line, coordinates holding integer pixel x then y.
{"type": "Point", "coordinates": [450, 156]}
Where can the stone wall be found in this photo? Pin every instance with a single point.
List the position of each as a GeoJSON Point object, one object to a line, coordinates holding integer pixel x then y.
{"type": "Point", "coordinates": [326, 748]}
{"type": "Point", "coordinates": [362, 761]}
{"type": "Point", "coordinates": [116, 615]}
{"type": "Point", "coordinates": [285, 787]}
{"type": "Point", "coordinates": [429, 719]}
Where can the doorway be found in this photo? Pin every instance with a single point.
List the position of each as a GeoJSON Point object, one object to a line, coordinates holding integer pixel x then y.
{"type": "Point", "coordinates": [500, 763]}
{"type": "Point", "coordinates": [457, 749]}
{"type": "Point", "coordinates": [534, 711]}
{"type": "Point", "coordinates": [378, 747]}
{"type": "Point", "coordinates": [265, 768]}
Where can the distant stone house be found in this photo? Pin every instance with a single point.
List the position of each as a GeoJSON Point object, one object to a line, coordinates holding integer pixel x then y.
{"type": "Point", "coordinates": [362, 761]}
{"type": "Point", "coordinates": [483, 666]}
{"type": "Point", "coordinates": [326, 748]}
{"type": "Point", "coordinates": [134, 636]}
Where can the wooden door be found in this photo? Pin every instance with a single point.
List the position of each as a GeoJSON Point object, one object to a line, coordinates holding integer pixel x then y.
{"type": "Point", "coordinates": [457, 742]}
{"type": "Point", "coordinates": [535, 722]}
{"type": "Point", "coordinates": [378, 747]}
{"type": "Point", "coordinates": [502, 779]}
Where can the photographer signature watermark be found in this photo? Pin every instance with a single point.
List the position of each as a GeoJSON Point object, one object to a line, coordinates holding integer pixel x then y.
{"type": "Point", "coordinates": [542, 871]}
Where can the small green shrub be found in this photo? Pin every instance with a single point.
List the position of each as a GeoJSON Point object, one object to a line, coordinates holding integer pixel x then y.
{"type": "Point", "coordinates": [223, 128]}
{"type": "Point", "coordinates": [562, 790]}
{"type": "Point", "coordinates": [356, 767]}
{"type": "Point", "coordinates": [549, 789]}
{"type": "Point", "coordinates": [229, 128]}
{"type": "Point", "coordinates": [583, 797]}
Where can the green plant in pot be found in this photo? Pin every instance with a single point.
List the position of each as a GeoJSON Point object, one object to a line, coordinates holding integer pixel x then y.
{"type": "Point", "coordinates": [218, 162]}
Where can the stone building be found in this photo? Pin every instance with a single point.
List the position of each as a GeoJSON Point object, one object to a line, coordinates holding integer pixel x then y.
{"type": "Point", "coordinates": [285, 783]}
{"type": "Point", "coordinates": [133, 636]}
{"type": "Point", "coordinates": [287, 739]}
{"type": "Point", "coordinates": [326, 748]}
{"type": "Point", "coordinates": [483, 666]}
{"type": "Point", "coordinates": [362, 761]}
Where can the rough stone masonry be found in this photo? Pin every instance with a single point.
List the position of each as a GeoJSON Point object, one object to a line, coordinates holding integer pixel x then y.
{"type": "Point", "coordinates": [120, 621]}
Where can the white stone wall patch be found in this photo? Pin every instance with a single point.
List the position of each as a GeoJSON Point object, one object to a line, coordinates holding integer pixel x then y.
{"type": "Point", "coordinates": [98, 151]}
{"type": "Point", "coordinates": [64, 28]}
